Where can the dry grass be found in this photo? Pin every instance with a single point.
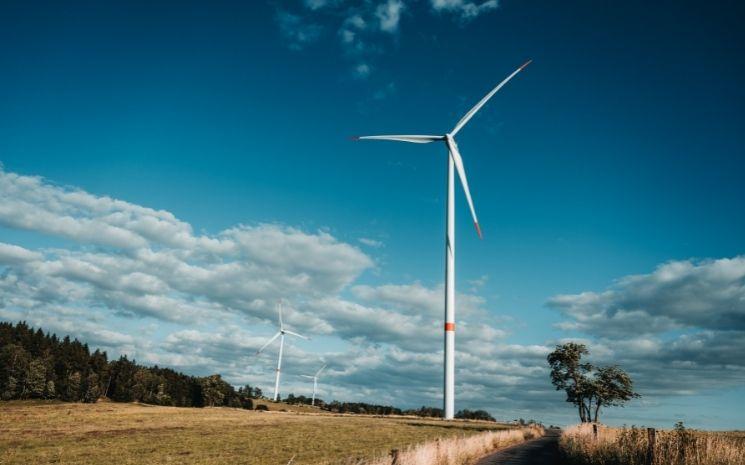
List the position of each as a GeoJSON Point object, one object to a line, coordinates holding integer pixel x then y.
{"type": "Point", "coordinates": [91, 434]}
{"type": "Point", "coordinates": [629, 446]}
{"type": "Point", "coordinates": [462, 450]}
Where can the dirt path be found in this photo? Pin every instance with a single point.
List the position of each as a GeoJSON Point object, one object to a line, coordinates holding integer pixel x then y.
{"type": "Point", "coordinates": [541, 451]}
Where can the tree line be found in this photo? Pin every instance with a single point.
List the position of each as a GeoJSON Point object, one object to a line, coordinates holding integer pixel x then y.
{"type": "Point", "coordinates": [38, 365]}
{"type": "Point", "coordinates": [35, 365]}
{"type": "Point", "coordinates": [374, 409]}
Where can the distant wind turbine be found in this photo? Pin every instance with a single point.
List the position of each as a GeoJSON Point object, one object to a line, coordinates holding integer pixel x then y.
{"type": "Point", "coordinates": [315, 383]}
{"type": "Point", "coordinates": [454, 161]}
{"type": "Point", "coordinates": [281, 335]}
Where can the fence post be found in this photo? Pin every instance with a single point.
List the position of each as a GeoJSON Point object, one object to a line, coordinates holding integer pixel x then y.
{"type": "Point", "coordinates": [650, 445]}
{"type": "Point", "coordinates": [595, 431]}
{"type": "Point", "coordinates": [394, 456]}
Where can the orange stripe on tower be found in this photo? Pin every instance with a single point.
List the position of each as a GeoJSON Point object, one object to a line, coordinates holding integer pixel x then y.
{"type": "Point", "coordinates": [449, 326]}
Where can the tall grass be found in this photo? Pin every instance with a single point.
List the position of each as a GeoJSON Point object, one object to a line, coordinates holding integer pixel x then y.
{"type": "Point", "coordinates": [460, 450]}
{"type": "Point", "coordinates": [629, 446]}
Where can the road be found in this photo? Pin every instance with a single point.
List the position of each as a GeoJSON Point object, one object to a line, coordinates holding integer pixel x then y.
{"type": "Point", "coordinates": [541, 451]}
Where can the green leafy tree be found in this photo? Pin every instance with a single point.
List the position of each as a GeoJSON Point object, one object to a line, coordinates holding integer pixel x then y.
{"type": "Point", "coordinates": [213, 390]}
{"type": "Point", "coordinates": [474, 415]}
{"type": "Point", "coordinates": [589, 388]}
{"type": "Point", "coordinates": [570, 374]}
{"type": "Point", "coordinates": [611, 387]}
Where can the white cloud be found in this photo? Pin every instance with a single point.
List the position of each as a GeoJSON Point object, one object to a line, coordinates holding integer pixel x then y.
{"type": "Point", "coordinates": [13, 254]}
{"type": "Point", "coordinates": [418, 299]}
{"type": "Point", "coordinates": [370, 242]}
{"type": "Point", "coordinates": [362, 70]}
{"type": "Point", "coordinates": [706, 294]}
{"type": "Point", "coordinates": [389, 14]}
{"type": "Point", "coordinates": [464, 8]}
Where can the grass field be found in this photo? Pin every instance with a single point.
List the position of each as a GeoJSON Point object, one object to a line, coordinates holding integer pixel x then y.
{"type": "Point", "coordinates": [109, 432]}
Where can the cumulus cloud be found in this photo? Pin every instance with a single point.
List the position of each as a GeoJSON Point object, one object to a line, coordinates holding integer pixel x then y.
{"type": "Point", "coordinates": [679, 294]}
{"type": "Point", "coordinates": [162, 269]}
{"type": "Point", "coordinates": [680, 328]}
{"type": "Point", "coordinates": [35, 205]}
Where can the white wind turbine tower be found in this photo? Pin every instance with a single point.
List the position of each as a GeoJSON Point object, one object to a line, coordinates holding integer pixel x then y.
{"type": "Point", "coordinates": [454, 161]}
{"type": "Point", "coordinates": [315, 383]}
{"type": "Point", "coordinates": [281, 335]}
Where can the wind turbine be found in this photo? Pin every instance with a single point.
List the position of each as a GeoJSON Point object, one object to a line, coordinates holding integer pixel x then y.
{"type": "Point", "coordinates": [281, 335]}
{"type": "Point", "coordinates": [454, 161]}
{"type": "Point", "coordinates": [315, 383]}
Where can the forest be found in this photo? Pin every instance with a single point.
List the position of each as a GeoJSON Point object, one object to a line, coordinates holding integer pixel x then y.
{"type": "Point", "coordinates": [35, 365]}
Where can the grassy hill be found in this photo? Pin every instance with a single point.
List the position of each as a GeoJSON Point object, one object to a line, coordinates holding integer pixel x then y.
{"type": "Point", "coordinates": [104, 433]}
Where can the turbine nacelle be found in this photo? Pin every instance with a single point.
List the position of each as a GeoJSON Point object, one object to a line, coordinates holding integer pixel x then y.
{"type": "Point", "coordinates": [449, 139]}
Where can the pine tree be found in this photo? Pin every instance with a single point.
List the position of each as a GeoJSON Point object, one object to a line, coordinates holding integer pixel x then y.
{"type": "Point", "coordinates": [11, 389]}
{"type": "Point", "coordinates": [36, 378]}
{"type": "Point", "coordinates": [92, 390]}
{"type": "Point", "coordinates": [72, 393]}
{"type": "Point", "coordinates": [49, 391]}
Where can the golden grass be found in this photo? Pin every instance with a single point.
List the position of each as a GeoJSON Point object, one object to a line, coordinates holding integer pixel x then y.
{"type": "Point", "coordinates": [91, 434]}
{"type": "Point", "coordinates": [461, 450]}
{"type": "Point", "coordinates": [629, 446]}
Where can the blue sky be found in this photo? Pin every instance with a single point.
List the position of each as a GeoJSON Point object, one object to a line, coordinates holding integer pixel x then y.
{"type": "Point", "coordinates": [609, 173]}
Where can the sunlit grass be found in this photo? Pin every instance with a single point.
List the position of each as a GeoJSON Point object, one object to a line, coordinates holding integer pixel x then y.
{"type": "Point", "coordinates": [101, 433]}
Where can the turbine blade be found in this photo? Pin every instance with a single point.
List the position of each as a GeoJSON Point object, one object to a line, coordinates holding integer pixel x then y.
{"type": "Point", "coordinates": [416, 139]}
{"type": "Point", "coordinates": [483, 101]}
{"type": "Point", "coordinates": [296, 334]}
{"type": "Point", "coordinates": [458, 161]}
{"type": "Point", "coordinates": [307, 376]}
{"type": "Point", "coordinates": [268, 342]}
{"type": "Point", "coordinates": [319, 371]}
{"type": "Point", "coordinates": [281, 324]}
